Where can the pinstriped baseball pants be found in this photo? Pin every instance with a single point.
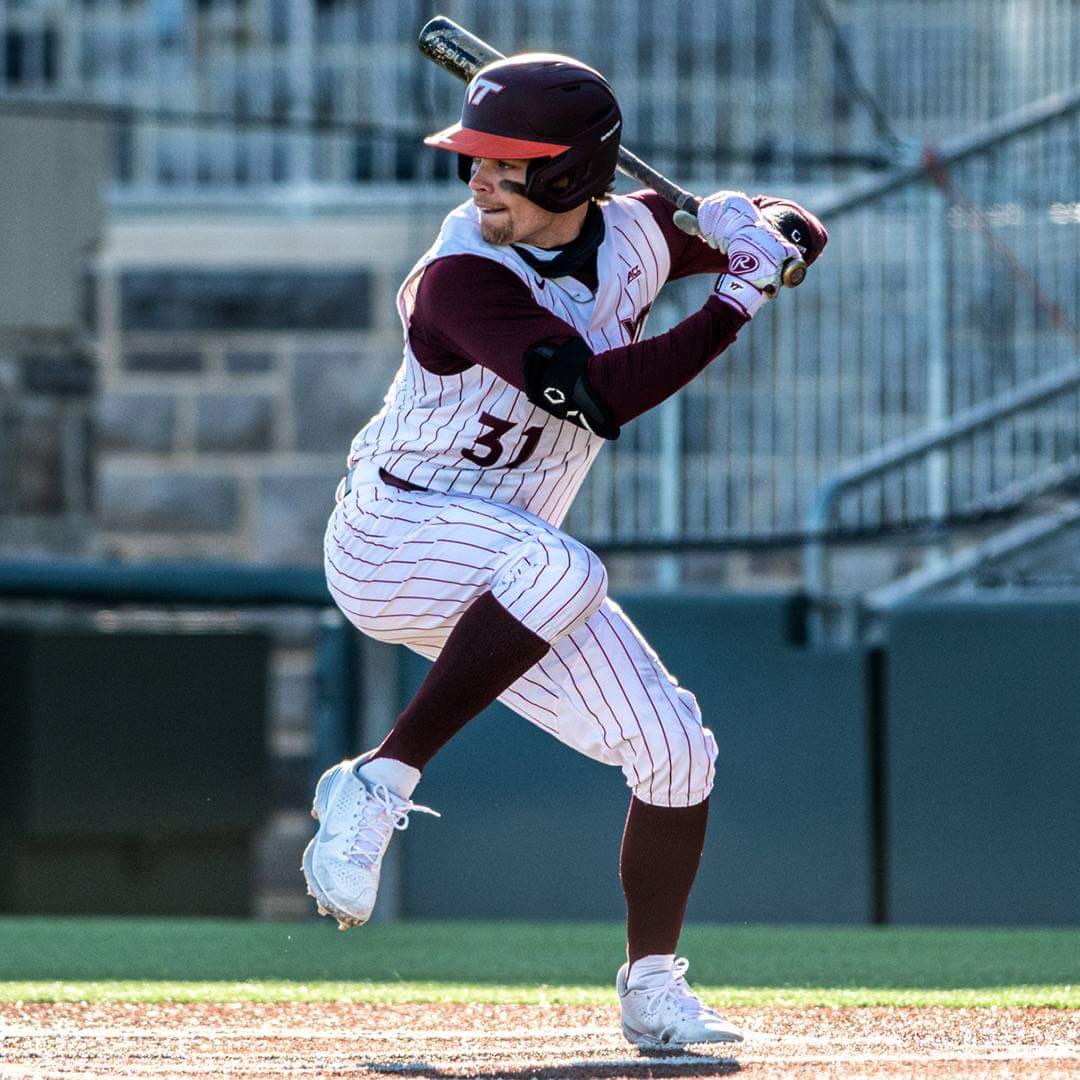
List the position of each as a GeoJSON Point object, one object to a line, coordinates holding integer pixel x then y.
{"type": "Point", "coordinates": [404, 565]}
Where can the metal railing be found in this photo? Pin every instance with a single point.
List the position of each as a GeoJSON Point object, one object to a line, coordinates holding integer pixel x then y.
{"type": "Point", "coordinates": [918, 447]}
{"type": "Point", "coordinates": [974, 559]}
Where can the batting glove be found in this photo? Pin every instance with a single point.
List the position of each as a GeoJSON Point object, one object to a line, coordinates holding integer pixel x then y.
{"type": "Point", "coordinates": [721, 215]}
{"type": "Point", "coordinates": [756, 257]}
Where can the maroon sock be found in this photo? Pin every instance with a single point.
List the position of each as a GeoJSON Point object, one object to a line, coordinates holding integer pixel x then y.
{"type": "Point", "coordinates": [486, 652]}
{"type": "Point", "coordinates": [661, 849]}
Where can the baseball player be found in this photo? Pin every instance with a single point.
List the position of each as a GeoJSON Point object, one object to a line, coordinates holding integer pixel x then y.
{"type": "Point", "coordinates": [523, 355]}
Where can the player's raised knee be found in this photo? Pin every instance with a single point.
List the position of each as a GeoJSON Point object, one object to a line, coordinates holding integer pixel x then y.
{"type": "Point", "coordinates": [552, 586]}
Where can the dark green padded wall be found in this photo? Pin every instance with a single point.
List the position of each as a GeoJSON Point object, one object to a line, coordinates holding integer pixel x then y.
{"type": "Point", "coordinates": [531, 829]}
{"type": "Point", "coordinates": [134, 770]}
{"type": "Point", "coordinates": [983, 763]}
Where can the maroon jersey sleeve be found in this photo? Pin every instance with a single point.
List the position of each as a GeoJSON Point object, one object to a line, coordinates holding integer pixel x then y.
{"type": "Point", "coordinates": [471, 310]}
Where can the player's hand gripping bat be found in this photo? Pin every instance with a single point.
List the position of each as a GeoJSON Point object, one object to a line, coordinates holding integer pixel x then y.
{"type": "Point", "coordinates": [462, 54]}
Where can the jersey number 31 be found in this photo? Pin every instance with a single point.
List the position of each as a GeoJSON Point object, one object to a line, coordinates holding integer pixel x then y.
{"type": "Point", "coordinates": [491, 440]}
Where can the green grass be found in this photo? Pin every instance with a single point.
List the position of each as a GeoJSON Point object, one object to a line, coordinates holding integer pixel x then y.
{"type": "Point", "coordinates": [48, 959]}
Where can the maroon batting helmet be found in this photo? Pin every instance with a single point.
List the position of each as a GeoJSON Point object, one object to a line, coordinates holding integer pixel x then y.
{"type": "Point", "coordinates": [551, 110]}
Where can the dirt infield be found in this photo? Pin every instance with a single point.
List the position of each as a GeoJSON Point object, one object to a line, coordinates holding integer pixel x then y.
{"type": "Point", "coordinates": [519, 1042]}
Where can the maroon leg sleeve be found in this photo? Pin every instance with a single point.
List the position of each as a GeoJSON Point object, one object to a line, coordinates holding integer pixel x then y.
{"type": "Point", "coordinates": [661, 849]}
{"type": "Point", "coordinates": [486, 652]}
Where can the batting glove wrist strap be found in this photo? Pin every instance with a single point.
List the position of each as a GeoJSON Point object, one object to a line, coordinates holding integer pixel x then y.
{"type": "Point", "coordinates": [738, 293]}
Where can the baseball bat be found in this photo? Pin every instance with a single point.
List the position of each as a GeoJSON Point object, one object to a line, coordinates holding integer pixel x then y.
{"type": "Point", "coordinates": [463, 54]}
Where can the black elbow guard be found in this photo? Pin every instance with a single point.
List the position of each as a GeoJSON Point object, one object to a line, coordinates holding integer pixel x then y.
{"type": "Point", "coordinates": [557, 380]}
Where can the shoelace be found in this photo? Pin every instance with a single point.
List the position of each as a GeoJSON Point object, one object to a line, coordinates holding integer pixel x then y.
{"type": "Point", "coordinates": [379, 816]}
{"type": "Point", "coordinates": [677, 991]}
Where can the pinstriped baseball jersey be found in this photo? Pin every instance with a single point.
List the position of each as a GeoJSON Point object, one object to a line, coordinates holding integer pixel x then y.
{"type": "Point", "coordinates": [473, 433]}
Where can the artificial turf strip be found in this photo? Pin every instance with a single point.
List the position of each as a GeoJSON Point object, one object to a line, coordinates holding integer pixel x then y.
{"type": "Point", "coordinates": [214, 960]}
{"type": "Point", "coordinates": [401, 993]}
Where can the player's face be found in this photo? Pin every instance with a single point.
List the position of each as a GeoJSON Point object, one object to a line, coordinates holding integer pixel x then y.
{"type": "Point", "coordinates": [508, 217]}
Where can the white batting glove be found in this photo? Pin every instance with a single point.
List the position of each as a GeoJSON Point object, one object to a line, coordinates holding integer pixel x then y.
{"type": "Point", "coordinates": [756, 256]}
{"type": "Point", "coordinates": [722, 214]}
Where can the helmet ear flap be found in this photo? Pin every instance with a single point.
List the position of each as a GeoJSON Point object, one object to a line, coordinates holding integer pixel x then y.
{"type": "Point", "coordinates": [464, 167]}
{"type": "Point", "coordinates": [547, 177]}
{"type": "Point", "coordinates": [560, 183]}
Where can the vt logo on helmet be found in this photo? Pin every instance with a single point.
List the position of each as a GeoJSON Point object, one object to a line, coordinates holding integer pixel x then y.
{"type": "Point", "coordinates": [556, 113]}
{"type": "Point", "coordinates": [479, 88]}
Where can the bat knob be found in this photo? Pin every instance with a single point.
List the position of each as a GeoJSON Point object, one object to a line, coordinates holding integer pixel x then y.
{"type": "Point", "coordinates": [686, 221]}
{"type": "Point", "coordinates": [793, 273]}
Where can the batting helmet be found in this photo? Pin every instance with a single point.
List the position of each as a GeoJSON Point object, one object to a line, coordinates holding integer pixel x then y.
{"type": "Point", "coordinates": [551, 110]}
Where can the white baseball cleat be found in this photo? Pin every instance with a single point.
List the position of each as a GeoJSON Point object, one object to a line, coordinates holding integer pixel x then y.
{"type": "Point", "coordinates": [666, 1014]}
{"type": "Point", "coordinates": [357, 818]}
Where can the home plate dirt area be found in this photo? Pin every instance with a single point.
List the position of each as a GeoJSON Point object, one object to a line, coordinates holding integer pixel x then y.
{"type": "Point", "coordinates": [519, 1042]}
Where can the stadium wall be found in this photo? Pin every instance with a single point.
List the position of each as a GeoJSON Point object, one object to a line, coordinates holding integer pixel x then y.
{"type": "Point", "coordinates": [931, 781]}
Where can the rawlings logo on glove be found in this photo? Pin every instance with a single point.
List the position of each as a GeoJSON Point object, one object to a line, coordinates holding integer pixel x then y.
{"type": "Point", "coordinates": [756, 257]}
{"type": "Point", "coordinates": [758, 235]}
{"type": "Point", "coordinates": [743, 263]}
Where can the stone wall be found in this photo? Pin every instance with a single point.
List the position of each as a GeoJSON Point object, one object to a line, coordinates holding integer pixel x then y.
{"type": "Point", "coordinates": [237, 358]}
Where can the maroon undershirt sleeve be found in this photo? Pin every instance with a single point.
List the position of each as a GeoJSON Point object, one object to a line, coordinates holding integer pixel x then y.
{"type": "Point", "coordinates": [472, 310]}
{"type": "Point", "coordinates": [634, 378]}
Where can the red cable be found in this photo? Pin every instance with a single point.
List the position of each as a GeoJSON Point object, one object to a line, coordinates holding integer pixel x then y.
{"type": "Point", "coordinates": [936, 170]}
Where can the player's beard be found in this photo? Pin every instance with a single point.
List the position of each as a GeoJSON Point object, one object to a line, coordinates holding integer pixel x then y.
{"type": "Point", "coordinates": [497, 232]}
{"type": "Point", "coordinates": [501, 231]}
